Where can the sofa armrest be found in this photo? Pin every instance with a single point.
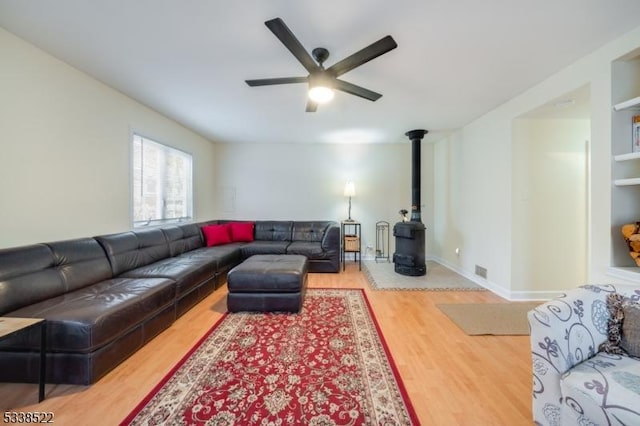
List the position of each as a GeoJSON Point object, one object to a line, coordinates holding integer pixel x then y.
{"type": "Point", "coordinates": [564, 332]}
{"type": "Point", "coordinates": [331, 239]}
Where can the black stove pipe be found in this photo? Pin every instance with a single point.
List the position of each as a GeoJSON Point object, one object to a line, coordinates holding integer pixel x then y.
{"type": "Point", "coordinates": [415, 136]}
{"type": "Point", "coordinates": [409, 256]}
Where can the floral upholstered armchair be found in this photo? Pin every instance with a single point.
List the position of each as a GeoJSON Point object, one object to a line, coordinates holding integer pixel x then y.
{"type": "Point", "coordinates": [574, 383]}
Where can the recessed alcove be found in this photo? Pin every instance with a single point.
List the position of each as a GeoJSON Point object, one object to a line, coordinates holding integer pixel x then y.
{"type": "Point", "coordinates": [625, 164]}
{"type": "Point", "coordinates": [550, 193]}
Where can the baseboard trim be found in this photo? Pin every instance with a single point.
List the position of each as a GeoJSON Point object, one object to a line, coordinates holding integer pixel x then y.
{"type": "Point", "coordinates": [494, 288]}
{"type": "Point", "coordinates": [535, 295]}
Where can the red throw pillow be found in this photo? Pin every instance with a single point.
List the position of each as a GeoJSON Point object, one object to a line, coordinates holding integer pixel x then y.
{"type": "Point", "coordinates": [241, 231]}
{"type": "Point", "coordinates": [215, 235]}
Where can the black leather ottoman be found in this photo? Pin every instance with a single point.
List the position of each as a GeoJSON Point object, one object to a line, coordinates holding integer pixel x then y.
{"type": "Point", "coordinates": [268, 283]}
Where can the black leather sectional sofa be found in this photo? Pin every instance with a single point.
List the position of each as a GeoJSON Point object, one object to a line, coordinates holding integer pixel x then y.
{"type": "Point", "coordinates": [105, 297]}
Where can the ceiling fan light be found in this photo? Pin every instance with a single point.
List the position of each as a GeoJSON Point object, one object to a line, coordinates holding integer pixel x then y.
{"type": "Point", "coordinates": [320, 94]}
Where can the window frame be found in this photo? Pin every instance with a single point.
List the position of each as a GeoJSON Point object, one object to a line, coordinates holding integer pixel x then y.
{"type": "Point", "coordinates": [166, 148]}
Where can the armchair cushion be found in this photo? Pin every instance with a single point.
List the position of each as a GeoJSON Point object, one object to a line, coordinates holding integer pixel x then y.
{"type": "Point", "coordinates": [630, 338]}
{"type": "Point", "coordinates": [606, 381]}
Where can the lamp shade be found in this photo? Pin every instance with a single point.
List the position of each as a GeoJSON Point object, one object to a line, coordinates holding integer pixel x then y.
{"type": "Point", "coordinates": [320, 88]}
{"type": "Point", "coordinates": [320, 94]}
{"type": "Point", "coordinates": [349, 189]}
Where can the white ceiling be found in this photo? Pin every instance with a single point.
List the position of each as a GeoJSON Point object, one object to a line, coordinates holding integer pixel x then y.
{"type": "Point", "coordinates": [456, 59]}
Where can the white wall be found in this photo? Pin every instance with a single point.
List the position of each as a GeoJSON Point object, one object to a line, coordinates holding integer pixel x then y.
{"type": "Point", "coordinates": [306, 182]}
{"type": "Point", "coordinates": [65, 143]}
{"type": "Point", "coordinates": [479, 163]}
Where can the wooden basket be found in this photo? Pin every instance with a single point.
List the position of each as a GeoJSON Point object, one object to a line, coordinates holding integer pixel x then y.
{"type": "Point", "coordinates": [351, 243]}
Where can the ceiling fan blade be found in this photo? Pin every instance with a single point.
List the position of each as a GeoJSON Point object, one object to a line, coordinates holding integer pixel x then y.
{"type": "Point", "coordinates": [356, 90]}
{"type": "Point", "coordinates": [284, 34]}
{"type": "Point", "coordinates": [370, 52]}
{"type": "Point", "coordinates": [271, 81]}
{"type": "Point", "coordinates": [311, 106]}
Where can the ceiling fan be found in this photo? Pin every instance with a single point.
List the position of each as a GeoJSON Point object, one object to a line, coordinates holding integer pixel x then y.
{"type": "Point", "coordinates": [321, 80]}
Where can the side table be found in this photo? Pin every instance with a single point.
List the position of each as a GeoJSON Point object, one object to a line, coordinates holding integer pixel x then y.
{"type": "Point", "coordinates": [351, 241]}
{"type": "Point", "coordinates": [11, 325]}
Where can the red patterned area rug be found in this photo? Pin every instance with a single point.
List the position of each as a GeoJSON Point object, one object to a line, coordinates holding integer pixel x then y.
{"type": "Point", "coordinates": [327, 365]}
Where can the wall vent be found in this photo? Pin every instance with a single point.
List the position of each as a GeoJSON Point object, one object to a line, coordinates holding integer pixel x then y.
{"type": "Point", "coordinates": [480, 271]}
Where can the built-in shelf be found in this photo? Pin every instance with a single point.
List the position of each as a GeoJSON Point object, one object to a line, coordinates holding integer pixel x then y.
{"type": "Point", "coordinates": [627, 182]}
{"type": "Point", "coordinates": [625, 167]}
{"type": "Point", "coordinates": [630, 156]}
{"type": "Point", "coordinates": [630, 104]}
{"type": "Point", "coordinates": [627, 157]}
{"type": "Point", "coordinates": [628, 273]}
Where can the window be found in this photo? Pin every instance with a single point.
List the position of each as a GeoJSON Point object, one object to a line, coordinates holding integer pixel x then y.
{"type": "Point", "coordinates": [162, 183]}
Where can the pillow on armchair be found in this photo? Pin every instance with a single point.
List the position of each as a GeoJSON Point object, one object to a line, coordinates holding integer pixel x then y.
{"type": "Point", "coordinates": [623, 327]}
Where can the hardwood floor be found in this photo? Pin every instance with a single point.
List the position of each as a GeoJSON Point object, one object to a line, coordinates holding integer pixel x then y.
{"type": "Point", "coordinates": [451, 378]}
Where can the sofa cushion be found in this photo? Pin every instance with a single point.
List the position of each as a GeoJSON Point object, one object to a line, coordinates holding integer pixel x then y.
{"type": "Point", "coordinates": [241, 231]}
{"type": "Point", "coordinates": [309, 249]}
{"type": "Point", "coordinates": [133, 249]}
{"type": "Point", "coordinates": [604, 386]}
{"type": "Point", "coordinates": [273, 230]}
{"type": "Point", "coordinates": [81, 262]}
{"type": "Point", "coordinates": [312, 231]}
{"type": "Point", "coordinates": [89, 318]}
{"type": "Point", "coordinates": [215, 235]}
{"type": "Point", "coordinates": [183, 238]}
{"type": "Point", "coordinates": [187, 273]}
{"type": "Point", "coordinates": [221, 257]}
{"type": "Point", "coordinates": [264, 247]}
{"type": "Point", "coordinates": [27, 276]}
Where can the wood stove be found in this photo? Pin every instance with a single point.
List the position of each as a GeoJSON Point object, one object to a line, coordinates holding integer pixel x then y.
{"type": "Point", "coordinates": [409, 257]}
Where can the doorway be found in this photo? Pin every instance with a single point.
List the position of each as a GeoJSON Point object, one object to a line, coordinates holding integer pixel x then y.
{"type": "Point", "coordinates": [550, 196]}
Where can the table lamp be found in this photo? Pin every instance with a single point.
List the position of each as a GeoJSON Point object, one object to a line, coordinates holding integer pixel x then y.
{"type": "Point", "coordinates": [349, 191]}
